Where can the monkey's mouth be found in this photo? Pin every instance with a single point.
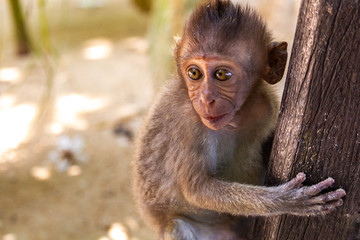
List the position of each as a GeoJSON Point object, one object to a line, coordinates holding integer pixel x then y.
{"type": "Point", "coordinates": [217, 122]}
{"type": "Point", "coordinates": [216, 118]}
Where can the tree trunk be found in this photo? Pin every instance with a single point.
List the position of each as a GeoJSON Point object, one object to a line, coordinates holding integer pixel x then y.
{"type": "Point", "coordinates": [318, 129]}
{"type": "Point", "coordinates": [168, 18]}
{"type": "Point", "coordinates": [23, 41]}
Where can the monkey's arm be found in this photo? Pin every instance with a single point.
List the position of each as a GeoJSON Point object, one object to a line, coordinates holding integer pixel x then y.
{"type": "Point", "coordinates": [240, 199]}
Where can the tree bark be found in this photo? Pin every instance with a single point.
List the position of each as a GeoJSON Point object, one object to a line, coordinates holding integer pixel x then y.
{"type": "Point", "coordinates": [318, 129]}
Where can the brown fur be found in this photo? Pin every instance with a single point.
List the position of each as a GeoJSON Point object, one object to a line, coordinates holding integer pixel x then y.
{"type": "Point", "coordinates": [175, 157]}
{"type": "Point", "coordinates": [193, 182]}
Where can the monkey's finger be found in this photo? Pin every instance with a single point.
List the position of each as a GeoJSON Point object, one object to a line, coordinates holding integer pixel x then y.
{"type": "Point", "coordinates": [317, 188]}
{"type": "Point", "coordinates": [296, 182]}
{"type": "Point", "coordinates": [329, 197]}
{"type": "Point", "coordinates": [322, 208]}
{"type": "Point", "coordinates": [327, 208]}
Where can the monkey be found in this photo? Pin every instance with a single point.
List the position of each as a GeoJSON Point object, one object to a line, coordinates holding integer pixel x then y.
{"type": "Point", "coordinates": [199, 164]}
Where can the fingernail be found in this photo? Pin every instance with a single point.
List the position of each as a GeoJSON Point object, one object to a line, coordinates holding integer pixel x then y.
{"type": "Point", "coordinates": [341, 192]}
{"type": "Point", "coordinates": [339, 203]}
{"type": "Point", "coordinates": [301, 175]}
{"type": "Point", "coordinates": [331, 180]}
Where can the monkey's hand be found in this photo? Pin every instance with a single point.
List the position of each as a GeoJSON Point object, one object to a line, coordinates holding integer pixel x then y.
{"type": "Point", "coordinates": [308, 200]}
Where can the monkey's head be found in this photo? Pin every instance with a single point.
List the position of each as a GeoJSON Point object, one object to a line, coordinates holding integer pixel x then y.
{"type": "Point", "coordinates": [224, 52]}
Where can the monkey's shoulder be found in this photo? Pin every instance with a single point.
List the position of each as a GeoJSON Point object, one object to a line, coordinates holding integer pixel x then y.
{"type": "Point", "coordinates": [171, 126]}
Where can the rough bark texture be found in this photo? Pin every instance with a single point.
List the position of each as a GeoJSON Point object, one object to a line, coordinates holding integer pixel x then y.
{"type": "Point", "coordinates": [318, 130]}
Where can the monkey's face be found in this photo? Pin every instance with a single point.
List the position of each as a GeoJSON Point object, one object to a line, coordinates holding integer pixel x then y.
{"type": "Point", "coordinates": [217, 87]}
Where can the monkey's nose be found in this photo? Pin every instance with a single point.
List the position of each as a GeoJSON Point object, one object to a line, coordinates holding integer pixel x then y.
{"type": "Point", "coordinates": [207, 99]}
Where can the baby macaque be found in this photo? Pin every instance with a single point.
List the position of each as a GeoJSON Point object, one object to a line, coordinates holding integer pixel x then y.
{"type": "Point", "coordinates": [200, 165]}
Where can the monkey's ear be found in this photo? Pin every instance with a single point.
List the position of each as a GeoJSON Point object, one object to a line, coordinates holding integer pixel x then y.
{"type": "Point", "coordinates": [277, 57]}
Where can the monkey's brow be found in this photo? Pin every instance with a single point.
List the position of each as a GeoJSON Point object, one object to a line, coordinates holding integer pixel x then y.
{"type": "Point", "coordinates": [229, 60]}
{"type": "Point", "coordinates": [209, 56]}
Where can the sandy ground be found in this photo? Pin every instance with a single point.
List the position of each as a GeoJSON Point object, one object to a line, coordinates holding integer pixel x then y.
{"type": "Point", "coordinates": [100, 80]}
{"type": "Point", "coordinates": [84, 205]}
{"type": "Point", "coordinates": [90, 94]}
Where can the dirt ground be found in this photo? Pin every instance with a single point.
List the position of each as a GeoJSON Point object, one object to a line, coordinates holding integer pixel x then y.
{"type": "Point", "coordinates": [67, 123]}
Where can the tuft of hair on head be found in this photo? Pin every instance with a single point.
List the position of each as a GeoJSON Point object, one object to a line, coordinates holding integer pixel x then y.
{"type": "Point", "coordinates": [218, 25]}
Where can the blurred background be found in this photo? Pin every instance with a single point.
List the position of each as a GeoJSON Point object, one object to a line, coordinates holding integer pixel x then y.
{"type": "Point", "coordinates": [76, 77]}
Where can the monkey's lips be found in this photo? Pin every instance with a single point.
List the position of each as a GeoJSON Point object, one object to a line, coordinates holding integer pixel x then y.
{"type": "Point", "coordinates": [217, 122]}
{"type": "Point", "coordinates": [216, 118]}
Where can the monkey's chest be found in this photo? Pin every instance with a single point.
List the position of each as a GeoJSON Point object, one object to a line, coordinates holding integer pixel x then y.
{"type": "Point", "coordinates": [235, 162]}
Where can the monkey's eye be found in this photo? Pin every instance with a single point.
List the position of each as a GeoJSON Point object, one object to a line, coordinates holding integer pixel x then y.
{"type": "Point", "coordinates": [222, 74]}
{"type": "Point", "coordinates": [194, 73]}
